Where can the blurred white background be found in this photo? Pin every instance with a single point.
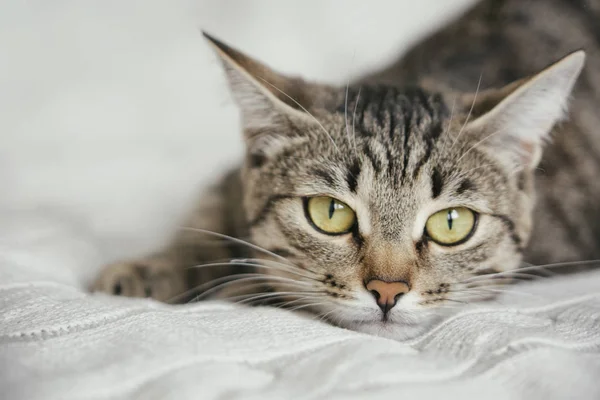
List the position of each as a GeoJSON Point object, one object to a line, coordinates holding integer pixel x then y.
{"type": "Point", "coordinates": [114, 113]}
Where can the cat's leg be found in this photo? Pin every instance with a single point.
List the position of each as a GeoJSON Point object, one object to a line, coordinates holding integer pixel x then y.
{"type": "Point", "coordinates": [158, 276]}
{"type": "Point", "coordinates": [173, 275]}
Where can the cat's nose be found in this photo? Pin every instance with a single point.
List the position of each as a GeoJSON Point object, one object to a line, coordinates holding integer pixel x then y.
{"type": "Point", "coordinates": [387, 293]}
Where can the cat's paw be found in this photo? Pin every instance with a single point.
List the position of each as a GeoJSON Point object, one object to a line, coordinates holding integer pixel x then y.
{"type": "Point", "coordinates": [156, 278]}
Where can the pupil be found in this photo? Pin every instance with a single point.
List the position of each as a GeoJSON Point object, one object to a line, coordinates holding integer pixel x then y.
{"type": "Point", "coordinates": [450, 218]}
{"type": "Point", "coordinates": [331, 208]}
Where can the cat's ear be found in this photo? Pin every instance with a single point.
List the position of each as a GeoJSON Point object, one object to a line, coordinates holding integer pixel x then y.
{"type": "Point", "coordinates": [515, 121]}
{"type": "Point", "coordinates": [266, 98]}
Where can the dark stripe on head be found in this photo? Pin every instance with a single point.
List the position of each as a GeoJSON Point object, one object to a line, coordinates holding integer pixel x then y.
{"type": "Point", "coordinates": [435, 110]}
{"type": "Point", "coordinates": [423, 102]}
{"type": "Point", "coordinates": [430, 138]}
{"type": "Point", "coordinates": [465, 185]}
{"type": "Point", "coordinates": [325, 175]}
{"type": "Point", "coordinates": [390, 162]}
{"type": "Point", "coordinates": [437, 183]}
{"type": "Point", "coordinates": [393, 126]}
{"type": "Point", "coordinates": [257, 160]}
{"type": "Point", "coordinates": [406, 133]}
{"type": "Point", "coordinates": [352, 175]}
{"type": "Point", "coordinates": [381, 112]}
{"type": "Point", "coordinates": [375, 161]}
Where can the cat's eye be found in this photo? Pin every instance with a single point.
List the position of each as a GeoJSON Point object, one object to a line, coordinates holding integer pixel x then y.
{"type": "Point", "coordinates": [329, 215]}
{"type": "Point", "coordinates": [451, 226]}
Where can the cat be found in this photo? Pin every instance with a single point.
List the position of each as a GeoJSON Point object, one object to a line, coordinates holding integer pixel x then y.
{"type": "Point", "coordinates": [378, 205]}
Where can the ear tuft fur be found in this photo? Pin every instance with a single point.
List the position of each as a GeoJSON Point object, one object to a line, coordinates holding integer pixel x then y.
{"type": "Point", "coordinates": [265, 97]}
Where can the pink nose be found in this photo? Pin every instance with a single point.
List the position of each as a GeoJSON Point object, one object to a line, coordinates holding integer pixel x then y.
{"type": "Point", "coordinates": [387, 293]}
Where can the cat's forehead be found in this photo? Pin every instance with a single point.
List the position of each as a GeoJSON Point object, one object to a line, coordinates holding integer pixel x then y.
{"type": "Point", "coordinates": [397, 131]}
{"type": "Point", "coordinates": [375, 110]}
{"type": "Point", "coordinates": [393, 148]}
{"type": "Point", "coordinates": [404, 123]}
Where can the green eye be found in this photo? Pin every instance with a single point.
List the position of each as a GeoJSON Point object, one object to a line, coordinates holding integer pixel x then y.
{"type": "Point", "coordinates": [329, 215]}
{"type": "Point", "coordinates": [451, 226]}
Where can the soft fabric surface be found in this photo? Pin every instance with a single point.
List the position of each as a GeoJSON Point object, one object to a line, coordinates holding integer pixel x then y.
{"type": "Point", "coordinates": [112, 114]}
{"type": "Point", "coordinates": [58, 342]}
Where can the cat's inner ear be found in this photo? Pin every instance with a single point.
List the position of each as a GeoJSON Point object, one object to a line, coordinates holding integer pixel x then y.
{"type": "Point", "coordinates": [268, 100]}
{"type": "Point", "coordinates": [515, 121]}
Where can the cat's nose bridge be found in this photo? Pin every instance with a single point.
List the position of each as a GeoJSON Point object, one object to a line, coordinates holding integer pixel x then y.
{"type": "Point", "coordinates": [389, 263]}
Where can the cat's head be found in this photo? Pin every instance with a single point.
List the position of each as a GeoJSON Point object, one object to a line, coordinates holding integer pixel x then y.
{"type": "Point", "coordinates": [390, 200]}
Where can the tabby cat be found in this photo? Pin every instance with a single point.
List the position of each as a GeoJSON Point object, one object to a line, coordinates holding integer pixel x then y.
{"type": "Point", "coordinates": [380, 205]}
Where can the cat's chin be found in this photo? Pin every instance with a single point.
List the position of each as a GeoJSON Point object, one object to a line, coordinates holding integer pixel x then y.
{"type": "Point", "coordinates": [402, 323]}
{"type": "Point", "coordinates": [391, 330]}
{"type": "Point", "coordinates": [400, 327]}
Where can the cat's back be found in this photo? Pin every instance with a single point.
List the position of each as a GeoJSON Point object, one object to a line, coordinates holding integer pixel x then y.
{"type": "Point", "coordinates": [500, 41]}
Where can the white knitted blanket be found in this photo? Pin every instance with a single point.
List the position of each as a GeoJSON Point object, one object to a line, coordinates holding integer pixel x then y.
{"type": "Point", "coordinates": [112, 112]}
{"type": "Point", "coordinates": [58, 342]}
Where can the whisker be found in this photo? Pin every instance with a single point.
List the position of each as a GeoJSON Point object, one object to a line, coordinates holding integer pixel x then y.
{"type": "Point", "coordinates": [239, 241]}
{"type": "Point", "coordinates": [316, 294]}
{"type": "Point", "coordinates": [272, 297]}
{"type": "Point", "coordinates": [307, 305]}
{"type": "Point", "coordinates": [201, 287]}
{"type": "Point", "coordinates": [337, 320]}
{"type": "Point", "coordinates": [354, 119]}
{"type": "Point", "coordinates": [453, 300]}
{"type": "Point", "coordinates": [285, 304]}
{"type": "Point", "coordinates": [251, 288]}
{"type": "Point", "coordinates": [286, 267]}
{"type": "Point", "coordinates": [537, 268]}
{"type": "Point", "coordinates": [470, 171]}
{"type": "Point", "coordinates": [346, 112]}
{"type": "Point", "coordinates": [514, 276]}
{"type": "Point", "coordinates": [449, 126]}
{"type": "Point", "coordinates": [453, 306]}
{"type": "Point", "coordinates": [346, 106]}
{"type": "Point", "coordinates": [466, 293]}
{"type": "Point", "coordinates": [503, 291]}
{"type": "Point", "coordinates": [478, 143]}
{"type": "Point", "coordinates": [243, 278]}
{"type": "Point", "coordinates": [323, 316]}
{"type": "Point", "coordinates": [561, 264]}
{"type": "Point", "coordinates": [245, 264]}
{"type": "Point", "coordinates": [216, 284]}
{"type": "Point", "coordinates": [469, 114]}
{"type": "Point", "coordinates": [304, 109]}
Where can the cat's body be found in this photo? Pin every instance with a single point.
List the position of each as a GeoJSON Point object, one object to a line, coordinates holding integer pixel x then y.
{"type": "Point", "coordinates": [396, 155]}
